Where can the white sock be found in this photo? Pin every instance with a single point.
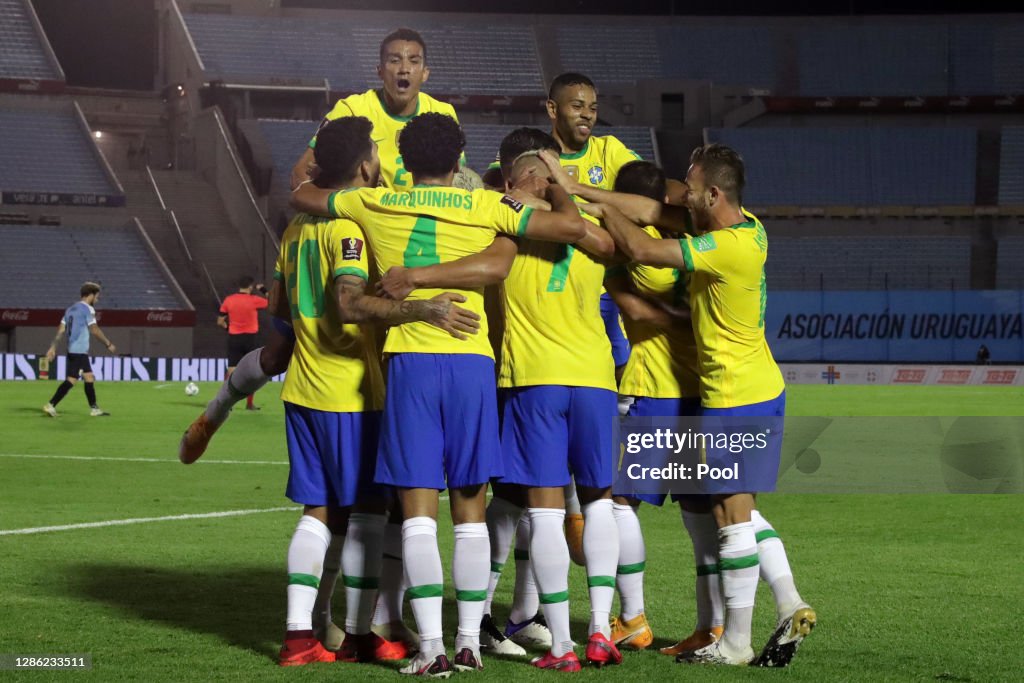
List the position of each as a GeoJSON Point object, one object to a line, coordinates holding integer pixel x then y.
{"type": "Point", "coordinates": [737, 548]}
{"type": "Point", "coordinates": [502, 520]}
{"type": "Point", "coordinates": [551, 567]}
{"type": "Point", "coordinates": [601, 547]}
{"type": "Point", "coordinates": [469, 573]}
{"type": "Point", "coordinates": [325, 593]}
{"type": "Point", "coordinates": [572, 501]}
{"type": "Point", "coordinates": [248, 378]}
{"type": "Point", "coordinates": [704, 535]}
{"type": "Point", "coordinates": [360, 561]}
{"type": "Point", "coordinates": [305, 565]}
{"type": "Point", "coordinates": [774, 565]}
{"type": "Point", "coordinates": [426, 580]}
{"type": "Point", "coordinates": [525, 602]}
{"type": "Point", "coordinates": [629, 576]}
{"type": "Point", "coordinates": [391, 594]}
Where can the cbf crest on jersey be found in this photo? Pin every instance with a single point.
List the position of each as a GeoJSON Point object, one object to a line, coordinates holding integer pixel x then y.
{"type": "Point", "coordinates": [596, 175]}
{"type": "Point", "coordinates": [351, 249]}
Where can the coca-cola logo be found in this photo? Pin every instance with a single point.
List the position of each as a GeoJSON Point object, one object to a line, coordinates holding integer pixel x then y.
{"type": "Point", "coordinates": [159, 317]}
{"type": "Point", "coordinates": [15, 316]}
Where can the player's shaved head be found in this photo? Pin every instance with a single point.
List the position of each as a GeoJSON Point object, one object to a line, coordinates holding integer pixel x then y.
{"type": "Point", "coordinates": [566, 80]}
{"type": "Point", "coordinates": [341, 146]}
{"type": "Point", "coordinates": [523, 140]}
{"type": "Point", "coordinates": [404, 34]}
{"type": "Point", "coordinates": [643, 178]}
{"type": "Point", "coordinates": [722, 168]}
{"type": "Point", "coordinates": [431, 144]}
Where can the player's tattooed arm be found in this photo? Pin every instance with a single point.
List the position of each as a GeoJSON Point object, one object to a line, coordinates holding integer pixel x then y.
{"type": "Point", "coordinates": [488, 267]}
{"type": "Point", "coordinates": [51, 353]}
{"type": "Point", "coordinates": [356, 306]}
{"type": "Point", "coordinates": [638, 245]}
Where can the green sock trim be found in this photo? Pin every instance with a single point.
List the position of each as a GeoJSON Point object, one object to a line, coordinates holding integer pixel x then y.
{"type": "Point", "coordinates": [631, 568]}
{"type": "Point", "coordinates": [430, 590]}
{"type": "Point", "coordinates": [599, 581]}
{"type": "Point", "coordinates": [496, 567]}
{"type": "Point", "coordinates": [766, 534]}
{"type": "Point", "coordinates": [521, 554]}
{"type": "Point", "coordinates": [303, 580]}
{"type": "Point", "coordinates": [552, 598]}
{"type": "Point", "coordinates": [731, 563]}
{"type": "Point", "coordinates": [707, 569]}
{"type": "Point", "coordinates": [361, 582]}
{"type": "Point", "coordinates": [471, 596]}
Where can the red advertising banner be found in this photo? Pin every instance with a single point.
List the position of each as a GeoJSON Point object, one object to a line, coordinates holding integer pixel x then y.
{"type": "Point", "coordinates": [41, 317]}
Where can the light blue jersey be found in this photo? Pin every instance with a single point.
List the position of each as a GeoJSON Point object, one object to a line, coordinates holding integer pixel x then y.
{"type": "Point", "coordinates": [77, 320]}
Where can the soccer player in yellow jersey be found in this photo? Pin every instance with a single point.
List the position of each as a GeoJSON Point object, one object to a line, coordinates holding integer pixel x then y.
{"type": "Point", "coordinates": [440, 426]}
{"type": "Point", "coordinates": [333, 396]}
{"type": "Point", "coordinates": [403, 71]}
{"type": "Point", "coordinates": [738, 376]}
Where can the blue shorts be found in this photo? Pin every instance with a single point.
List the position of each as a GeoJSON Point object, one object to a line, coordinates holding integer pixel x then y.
{"type": "Point", "coordinates": [758, 467]}
{"type": "Point", "coordinates": [331, 455]}
{"type": "Point", "coordinates": [613, 328]}
{"type": "Point", "coordinates": [548, 431]}
{"type": "Point", "coordinates": [440, 422]}
{"type": "Point", "coordinates": [645, 406]}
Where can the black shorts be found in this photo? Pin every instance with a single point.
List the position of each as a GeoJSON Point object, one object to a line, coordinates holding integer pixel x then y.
{"type": "Point", "coordinates": [78, 363]}
{"type": "Point", "coordinates": [238, 346]}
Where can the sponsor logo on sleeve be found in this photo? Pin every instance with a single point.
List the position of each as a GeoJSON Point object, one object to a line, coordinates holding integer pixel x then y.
{"type": "Point", "coordinates": [514, 204]}
{"type": "Point", "coordinates": [704, 242]}
{"type": "Point", "coordinates": [351, 249]}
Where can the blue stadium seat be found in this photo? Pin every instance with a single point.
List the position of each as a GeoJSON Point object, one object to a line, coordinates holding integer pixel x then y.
{"type": "Point", "coordinates": [1011, 166]}
{"type": "Point", "coordinates": [860, 263]}
{"type": "Point", "coordinates": [48, 151]}
{"type": "Point", "coordinates": [53, 262]}
{"type": "Point", "coordinates": [22, 54]}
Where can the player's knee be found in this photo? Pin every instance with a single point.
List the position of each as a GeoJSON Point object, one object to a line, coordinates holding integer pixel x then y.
{"type": "Point", "coordinates": [588, 494]}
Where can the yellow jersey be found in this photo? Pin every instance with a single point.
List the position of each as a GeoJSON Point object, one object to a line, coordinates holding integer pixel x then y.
{"type": "Point", "coordinates": [554, 333]}
{"type": "Point", "coordinates": [386, 128]}
{"type": "Point", "coordinates": [599, 161]}
{"type": "Point", "coordinates": [662, 363]}
{"type": "Point", "coordinates": [334, 367]}
{"type": "Point", "coordinates": [432, 224]}
{"type": "Point", "coordinates": [727, 301]}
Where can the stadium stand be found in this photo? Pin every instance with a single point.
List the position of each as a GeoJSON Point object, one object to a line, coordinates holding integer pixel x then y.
{"type": "Point", "coordinates": [1011, 166]}
{"type": "Point", "coordinates": [1010, 256]}
{"type": "Point", "coordinates": [22, 53]}
{"type": "Point", "coordinates": [467, 58]}
{"type": "Point", "coordinates": [49, 152]}
{"type": "Point", "coordinates": [53, 262]}
{"type": "Point", "coordinates": [861, 263]}
{"type": "Point", "coordinates": [855, 166]}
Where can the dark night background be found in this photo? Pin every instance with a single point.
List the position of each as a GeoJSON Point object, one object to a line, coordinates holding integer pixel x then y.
{"type": "Point", "coordinates": [112, 43]}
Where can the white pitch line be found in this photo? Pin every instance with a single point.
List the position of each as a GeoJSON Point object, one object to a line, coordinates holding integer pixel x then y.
{"type": "Point", "coordinates": [163, 460]}
{"type": "Point", "coordinates": [140, 520]}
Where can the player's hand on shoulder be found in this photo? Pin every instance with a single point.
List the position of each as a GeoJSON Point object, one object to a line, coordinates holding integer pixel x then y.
{"type": "Point", "coordinates": [396, 283]}
{"type": "Point", "coordinates": [455, 320]}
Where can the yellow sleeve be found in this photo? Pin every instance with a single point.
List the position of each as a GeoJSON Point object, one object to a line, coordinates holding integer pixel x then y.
{"type": "Point", "coordinates": [619, 155]}
{"type": "Point", "coordinates": [352, 203]}
{"type": "Point", "coordinates": [346, 247]}
{"type": "Point", "coordinates": [501, 212]}
{"type": "Point", "coordinates": [341, 109]}
{"type": "Point", "coordinates": [711, 252]}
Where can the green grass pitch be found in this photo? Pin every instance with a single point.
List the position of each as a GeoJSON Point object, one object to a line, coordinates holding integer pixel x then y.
{"type": "Point", "coordinates": [908, 587]}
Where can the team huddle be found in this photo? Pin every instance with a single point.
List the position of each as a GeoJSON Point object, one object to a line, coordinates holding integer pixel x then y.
{"type": "Point", "coordinates": [439, 335]}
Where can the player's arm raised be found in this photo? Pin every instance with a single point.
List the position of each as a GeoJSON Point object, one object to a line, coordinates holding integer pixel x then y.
{"type": "Point", "coordinates": [637, 244]}
{"type": "Point", "coordinates": [488, 267]}
{"type": "Point", "coordinates": [639, 209]}
{"type": "Point", "coordinates": [356, 306]}
{"type": "Point", "coordinates": [304, 168]}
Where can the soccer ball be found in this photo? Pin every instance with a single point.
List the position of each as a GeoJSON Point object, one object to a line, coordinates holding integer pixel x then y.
{"type": "Point", "coordinates": [191, 389]}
